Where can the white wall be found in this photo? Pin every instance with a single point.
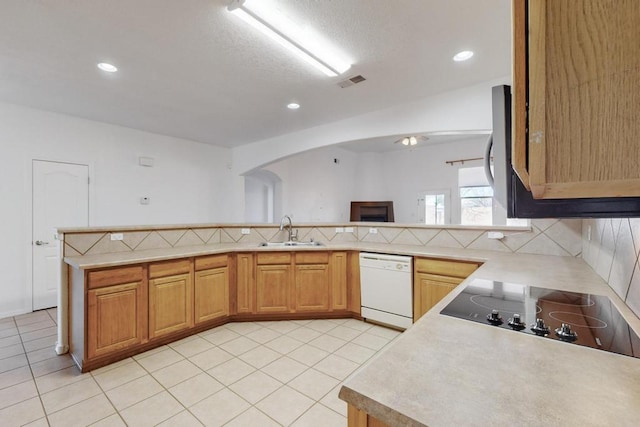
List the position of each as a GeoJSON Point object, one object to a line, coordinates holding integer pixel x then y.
{"type": "Point", "coordinates": [315, 189]}
{"type": "Point", "coordinates": [189, 183]}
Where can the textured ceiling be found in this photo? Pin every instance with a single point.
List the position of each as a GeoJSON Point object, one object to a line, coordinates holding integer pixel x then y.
{"type": "Point", "coordinates": [192, 70]}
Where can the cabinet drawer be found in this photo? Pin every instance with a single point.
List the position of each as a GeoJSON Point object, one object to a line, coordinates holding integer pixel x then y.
{"type": "Point", "coordinates": [312, 257]}
{"type": "Point", "coordinates": [445, 267]}
{"type": "Point", "coordinates": [114, 276]}
{"type": "Point", "coordinates": [169, 268]}
{"type": "Point", "coordinates": [213, 261]}
{"type": "Point", "coordinates": [274, 258]}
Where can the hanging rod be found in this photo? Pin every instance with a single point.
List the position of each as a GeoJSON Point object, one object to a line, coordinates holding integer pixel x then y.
{"type": "Point", "coordinates": [452, 162]}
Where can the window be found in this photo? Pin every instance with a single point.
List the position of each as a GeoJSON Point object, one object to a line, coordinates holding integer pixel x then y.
{"type": "Point", "coordinates": [476, 205]}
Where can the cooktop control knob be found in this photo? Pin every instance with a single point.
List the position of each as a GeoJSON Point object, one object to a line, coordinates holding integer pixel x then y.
{"type": "Point", "coordinates": [540, 329]}
{"type": "Point", "coordinates": [494, 318]}
{"type": "Point", "coordinates": [515, 323]}
{"type": "Point", "coordinates": [566, 334]}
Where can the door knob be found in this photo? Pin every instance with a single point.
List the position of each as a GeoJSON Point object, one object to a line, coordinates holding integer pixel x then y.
{"type": "Point", "coordinates": [40, 243]}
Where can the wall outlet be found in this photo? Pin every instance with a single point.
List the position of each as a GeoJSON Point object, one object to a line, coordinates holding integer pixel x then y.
{"type": "Point", "coordinates": [373, 231]}
{"type": "Point", "coordinates": [245, 231]}
{"type": "Point", "coordinates": [348, 229]}
{"type": "Point", "coordinates": [117, 236]}
{"type": "Point", "coordinates": [339, 229]}
{"type": "Point", "coordinates": [145, 200]}
{"type": "Point", "coordinates": [495, 235]}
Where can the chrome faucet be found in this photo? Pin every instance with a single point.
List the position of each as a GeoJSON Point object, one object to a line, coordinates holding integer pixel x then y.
{"type": "Point", "coordinates": [292, 235]}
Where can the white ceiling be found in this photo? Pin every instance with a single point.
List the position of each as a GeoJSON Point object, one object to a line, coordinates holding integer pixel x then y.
{"type": "Point", "coordinates": [192, 70]}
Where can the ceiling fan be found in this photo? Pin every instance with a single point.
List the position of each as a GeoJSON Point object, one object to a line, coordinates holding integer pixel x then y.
{"type": "Point", "coordinates": [411, 140]}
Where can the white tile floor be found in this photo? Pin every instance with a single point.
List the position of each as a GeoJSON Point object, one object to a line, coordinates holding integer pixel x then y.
{"type": "Point", "coordinates": [240, 374]}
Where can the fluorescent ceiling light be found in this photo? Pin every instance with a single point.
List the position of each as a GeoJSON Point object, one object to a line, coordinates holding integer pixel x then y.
{"type": "Point", "coordinates": [463, 56]}
{"type": "Point", "coordinates": [109, 68]}
{"type": "Point", "coordinates": [289, 35]}
{"type": "Point", "coordinates": [293, 106]}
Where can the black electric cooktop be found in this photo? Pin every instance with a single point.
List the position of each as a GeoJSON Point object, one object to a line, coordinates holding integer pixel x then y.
{"type": "Point", "coordinates": [575, 318]}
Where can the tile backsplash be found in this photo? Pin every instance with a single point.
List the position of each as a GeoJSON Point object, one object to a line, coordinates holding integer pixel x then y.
{"type": "Point", "coordinates": [547, 237]}
{"type": "Point", "coordinates": [611, 246]}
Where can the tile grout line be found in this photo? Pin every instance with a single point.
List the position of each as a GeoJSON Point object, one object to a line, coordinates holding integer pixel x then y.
{"type": "Point", "coordinates": [322, 331]}
{"type": "Point", "coordinates": [33, 378]}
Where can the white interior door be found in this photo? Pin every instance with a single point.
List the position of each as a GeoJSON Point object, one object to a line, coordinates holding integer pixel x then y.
{"type": "Point", "coordinates": [60, 199]}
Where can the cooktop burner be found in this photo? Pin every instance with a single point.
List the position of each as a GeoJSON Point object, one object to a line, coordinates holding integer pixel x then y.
{"type": "Point", "coordinates": [582, 319]}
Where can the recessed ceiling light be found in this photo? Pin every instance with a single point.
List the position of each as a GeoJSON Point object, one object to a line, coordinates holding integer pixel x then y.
{"type": "Point", "coordinates": [293, 106]}
{"type": "Point", "coordinates": [109, 68]}
{"type": "Point", "coordinates": [463, 56]}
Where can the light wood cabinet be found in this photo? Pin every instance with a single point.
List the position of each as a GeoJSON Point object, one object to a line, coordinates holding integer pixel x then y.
{"type": "Point", "coordinates": [575, 97]}
{"type": "Point", "coordinates": [211, 288]}
{"type": "Point", "coordinates": [245, 283]}
{"type": "Point", "coordinates": [312, 287]}
{"type": "Point", "coordinates": [116, 311]}
{"type": "Point", "coordinates": [359, 418]}
{"type": "Point", "coordinates": [312, 281]}
{"type": "Point", "coordinates": [273, 288]}
{"type": "Point", "coordinates": [170, 297]}
{"type": "Point", "coordinates": [434, 278]}
{"type": "Point", "coordinates": [339, 277]}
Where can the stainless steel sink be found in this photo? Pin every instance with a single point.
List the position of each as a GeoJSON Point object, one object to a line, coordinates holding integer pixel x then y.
{"type": "Point", "coordinates": [290, 243]}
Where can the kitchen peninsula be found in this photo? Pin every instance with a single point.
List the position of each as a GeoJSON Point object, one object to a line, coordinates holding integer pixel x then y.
{"type": "Point", "coordinates": [446, 371]}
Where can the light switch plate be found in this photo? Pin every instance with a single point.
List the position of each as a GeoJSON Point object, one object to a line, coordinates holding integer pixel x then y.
{"type": "Point", "coordinates": [373, 231]}
{"type": "Point", "coordinates": [348, 229]}
{"type": "Point", "coordinates": [117, 236]}
{"type": "Point", "coordinates": [339, 229]}
{"type": "Point", "coordinates": [245, 231]}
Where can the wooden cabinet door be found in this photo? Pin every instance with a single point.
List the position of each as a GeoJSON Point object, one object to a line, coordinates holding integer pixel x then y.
{"type": "Point", "coordinates": [245, 284]}
{"type": "Point", "coordinates": [211, 294]}
{"type": "Point", "coordinates": [170, 304]}
{"type": "Point", "coordinates": [429, 289]}
{"type": "Point", "coordinates": [339, 281]}
{"type": "Point", "coordinates": [273, 286]}
{"type": "Point", "coordinates": [312, 287]}
{"type": "Point", "coordinates": [583, 86]}
{"type": "Point", "coordinates": [116, 318]}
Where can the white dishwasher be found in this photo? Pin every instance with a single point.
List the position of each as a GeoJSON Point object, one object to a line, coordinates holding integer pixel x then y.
{"type": "Point", "coordinates": [386, 289]}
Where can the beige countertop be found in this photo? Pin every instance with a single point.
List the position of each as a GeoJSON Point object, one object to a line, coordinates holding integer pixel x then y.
{"type": "Point", "coordinates": [446, 371]}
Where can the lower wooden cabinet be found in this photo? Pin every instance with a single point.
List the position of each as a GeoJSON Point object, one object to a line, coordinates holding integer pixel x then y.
{"type": "Point", "coordinates": [170, 297]}
{"type": "Point", "coordinates": [433, 279]}
{"type": "Point", "coordinates": [358, 418]}
{"type": "Point", "coordinates": [116, 318]}
{"type": "Point", "coordinates": [211, 288]}
{"type": "Point", "coordinates": [429, 290]}
{"type": "Point", "coordinates": [273, 288]}
{"type": "Point", "coordinates": [245, 283]}
{"type": "Point", "coordinates": [170, 304]}
{"type": "Point", "coordinates": [211, 291]}
{"type": "Point", "coordinates": [339, 277]}
{"type": "Point", "coordinates": [312, 287]}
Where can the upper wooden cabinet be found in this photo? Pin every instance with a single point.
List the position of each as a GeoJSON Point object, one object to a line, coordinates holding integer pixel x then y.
{"type": "Point", "coordinates": [576, 97]}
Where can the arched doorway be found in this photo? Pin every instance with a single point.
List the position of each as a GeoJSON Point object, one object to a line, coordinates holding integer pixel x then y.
{"type": "Point", "coordinates": [262, 197]}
